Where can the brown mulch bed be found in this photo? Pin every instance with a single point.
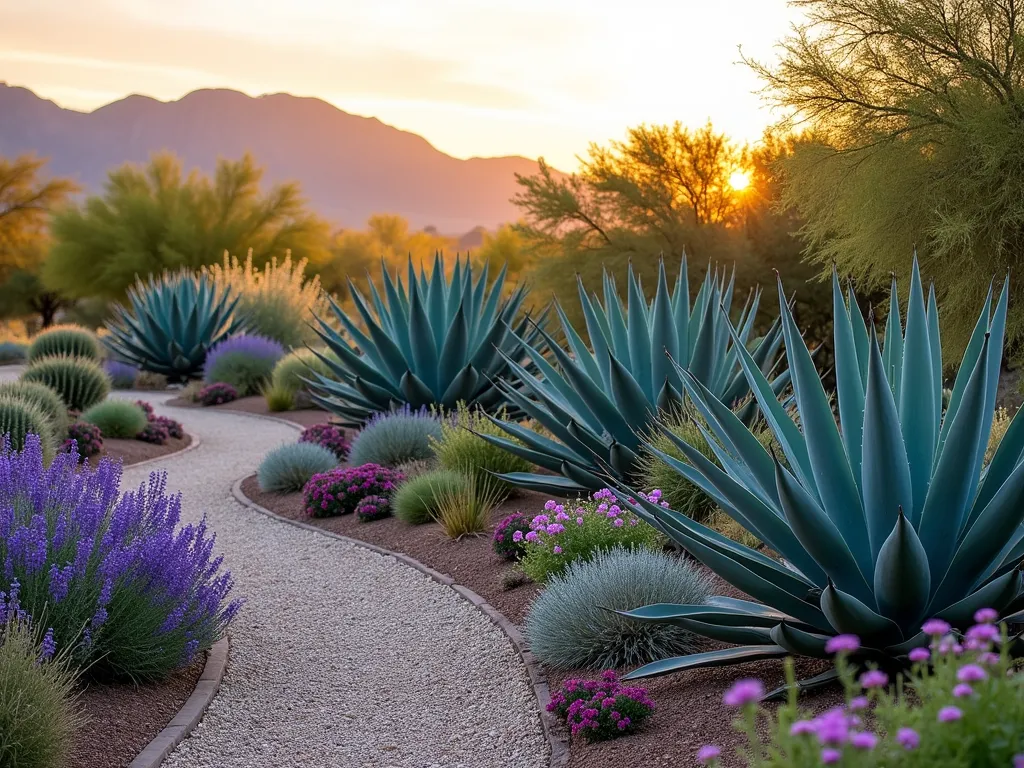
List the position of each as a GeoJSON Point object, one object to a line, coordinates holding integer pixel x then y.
{"type": "Point", "coordinates": [121, 718]}
{"type": "Point", "coordinates": [133, 451]}
{"type": "Point", "coordinates": [689, 710]}
{"type": "Point", "coordinates": [305, 417]}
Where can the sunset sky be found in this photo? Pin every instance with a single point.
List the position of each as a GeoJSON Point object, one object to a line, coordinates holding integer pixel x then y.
{"type": "Point", "coordinates": [475, 77]}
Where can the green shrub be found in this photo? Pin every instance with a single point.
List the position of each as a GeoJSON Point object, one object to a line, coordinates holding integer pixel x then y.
{"type": "Point", "coordinates": [39, 394]}
{"type": "Point", "coordinates": [729, 528]}
{"type": "Point", "coordinates": [12, 352]}
{"type": "Point", "coordinates": [289, 467]}
{"type": "Point", "coordinates": [278, 301]}
{"type": "Point", "coordinates": [461, 450]}
{"type": "Point", "coordinates": [571, 624]}
{"type": "Point", "coordinates": [148, 380]}
{"type": "Point", "coordinates": [38, 714]}
{"type": "Point", "coordinates": [71, 340]}
{"type": "Point", "coordinates": [245, 362]}
{"type": "Point", "coordinates": [278, 398]}
{"type": "Point", "coordinates": [465, 511]}
{"type": "Point", "coordinates": [394, 438]}
{"type": "Point", "coordinates": [571, 531]}
{"type": "Point", "coordinates": [681, 495]}
{"type": "Point", "coordinates": [416, 501]}
{"type": "Point", "coordinates": [81, 383]}
{"type": "Point", "coordinates": [19, 418]}
{"type": "Point", "coordinates": [116, 418]}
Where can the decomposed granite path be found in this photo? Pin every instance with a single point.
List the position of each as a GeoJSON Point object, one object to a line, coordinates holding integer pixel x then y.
{"type": "Point", "coordinates": [340, 657]}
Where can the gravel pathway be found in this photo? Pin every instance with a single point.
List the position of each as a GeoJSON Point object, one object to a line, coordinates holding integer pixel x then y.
{"type": "Point", "coordinates": [340, 657]}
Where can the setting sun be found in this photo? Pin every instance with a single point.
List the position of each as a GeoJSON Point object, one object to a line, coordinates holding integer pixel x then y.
{"type": "Point", "coordinates": [739, 180]}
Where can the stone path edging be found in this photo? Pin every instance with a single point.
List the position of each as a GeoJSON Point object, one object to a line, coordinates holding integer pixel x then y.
{"type": "Point", "coordinates": [558, 745]}
{"type": "Point", "coordinates": [196, 442]}
{"type": "Point", "coordinates": [192, 710]}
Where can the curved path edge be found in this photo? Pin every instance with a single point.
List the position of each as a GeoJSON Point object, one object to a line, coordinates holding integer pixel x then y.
{"type": "Point", "coordinates": [559, 746]}
{"type": "Point", "coordinates": [191, 712]}
{"type": "Point", "coordinates": [195, 442]}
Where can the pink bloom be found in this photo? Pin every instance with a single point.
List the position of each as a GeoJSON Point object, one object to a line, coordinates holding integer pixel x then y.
{"type": "Point", "coordinates": [935, 627]}
{"type": "Point", "coordinates": [618, 522]}
{"type": "Point", "coordinates": [919, 654]}
{"type": "Point", "coordinates": [949, 714]}
{"type": "Point", "coordinates": [831, 756]}
{"type": "Point", "coordinates": [986, 615]}
{"type": "Point", "coordinates": [579, 521]}
{"type": "Point", "coordinates": [842, 644]}
{"type": "Point", "coordinates": [858, 703]}
{"type": "Point", "coordinates": [989, 658]}
{"type": "Point", "coordinates": [864, 740]}
{"type": "Point", "coordinates": [517, 536]}
{"type": "Point", "coordinates": [983, 634]}
{"type": "Point", "coordinates": [971, 673]}
{"type": "Point", "coordinates": [874, 678]}
{"type": "Point", "coordinates": [908, 738]}
{"type": "Point", "coordinates": [557, 550]}
{"type": "Point", "coordinates": [708, 753]}
{"type": "Point", "coordinates": [961, 690]}
{"type": "Point", "coordinates": [801, 727]}
{"type": "Point", "coordinates": [743, 692]}
{"type": "Point", "coordinates": [549, 504]}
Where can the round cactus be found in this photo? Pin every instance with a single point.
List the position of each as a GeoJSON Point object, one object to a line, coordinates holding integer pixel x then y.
{"type": "Point", "coordinates": [80, 382]}
{"type": "Point", "coordinates": [39, 394]}
{"type": "Point", "coordinates": [70, 340]}
{"type": "Point", "coordinates": [19, 418]}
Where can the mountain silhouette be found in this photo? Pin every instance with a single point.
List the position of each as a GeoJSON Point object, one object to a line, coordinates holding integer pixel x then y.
{"type": "Point", "coordinates": [349, 166]}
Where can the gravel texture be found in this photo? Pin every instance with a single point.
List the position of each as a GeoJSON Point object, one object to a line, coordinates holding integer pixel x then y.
{"type": "Point", "coordinates": [341, 656]}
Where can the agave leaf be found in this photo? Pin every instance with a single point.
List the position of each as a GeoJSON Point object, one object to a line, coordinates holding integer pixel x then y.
{"type": "Point", "coordinates": [850, 387]}
{"type": "Point", "coordinates": [461, 388]}
{"type": "Point", "coordinates": [702, 358]}
{"type": "Point", "coordinates": [551, 484]}
{"type": "Point", "coordinates": [826, 678]}
{"type": "Point", "coordinates": [1005, 459]}
{"type": "Point", "coordinates": [416, 391]}
{"type": "Point", "coordinates": [894, 343]}
{"type": "Point", "coordinates": [966, 370]}
{"type": "Point", "coordinates": [920, 640]}
{"type": "Point", "coordinates": [681, 312]}
{"type": "Point", "coordinates": [630, 399]}
{"type": "Point", "coordinates": [726, 617]}
{"type": "Point", "coordinates": [935, 340]}
{"type": "Point", "coordinates": [848, 615]}
{"type": "Point", "coordinates": [860, 336]}
{"type": "Point", "coordinates": [902, 576]}
{"type": "Point", "coordinates": [797, 641]}
{"type": "Point", "coordinates": [997, 594]}
{"type": "Point", "coordinates": [639, 338]}
{"type": "Point", "coordinates": [720, 658]}
{"type": "Point", "coordinates": [664, 338]}
{"type": "Point", "coordinates": [739, 635]}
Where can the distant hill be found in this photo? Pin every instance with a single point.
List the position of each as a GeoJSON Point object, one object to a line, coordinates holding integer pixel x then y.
{"type": "Point", "coordinates": [349, 166]}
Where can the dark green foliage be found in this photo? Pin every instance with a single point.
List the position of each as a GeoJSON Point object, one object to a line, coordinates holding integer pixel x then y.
{"type": "Point", "coordinates": [172, 322]}
{"type": "Point", "coordinates": [19, 418]}
{"type": "Point", "coordinates": [116, 418]}
{"type": "Point", "coordinates": [462, 449]}
{"type": "Point", "coordinates": [41, 395]}
{"type": "Point", "coordinates": [71, 340]}
{"type": "Point", "coordinates": [80, 382]}
{"type": "Point", "coordinates": [418, 499]}
{"type": "Point", "coordinates": [430, 341]}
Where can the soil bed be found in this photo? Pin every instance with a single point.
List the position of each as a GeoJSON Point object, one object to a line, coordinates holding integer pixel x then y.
{"type": "Point", "coordinates": [305, 417]}
{"type": "Point", "coordinates": [689, 710]}
{"type": "Point", "coordinates": [133, 451]}
{"type": "Point", "coordinates": [121, 718]}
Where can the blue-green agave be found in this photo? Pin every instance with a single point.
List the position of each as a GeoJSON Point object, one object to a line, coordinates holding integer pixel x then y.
{"type": "Point", "coordinates": [429, 341]}
{"type": "Point", "coordinates": [599, 402]}
{"type": "Point", "coordinates": [880, 522]}
{"type": "Point", "coordinates": [173, 321]}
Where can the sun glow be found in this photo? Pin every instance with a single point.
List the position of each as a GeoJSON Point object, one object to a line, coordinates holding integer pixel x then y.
{"type": "Point", "coordinates": [739, 180]}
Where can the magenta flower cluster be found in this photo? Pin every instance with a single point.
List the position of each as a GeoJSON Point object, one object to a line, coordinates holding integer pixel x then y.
{"type": "Point", "coordinates": [328, 436]}
{"type": "Point", "coordinates": [158, 428]}
{"type": "Point", "coordinates": [87, 437]}
{"type": "Point", "coordinates": [125, 587]}
{"type": "Point", "coordinates": [557, 516]}
{"type": "Point", "coordinates": [217, 394]}
{"type": "Point", "coordinates": [339, 491]}
{"type": "Point", "coordinates": [601, 709]}
{"type": "Point", "coordinates": [372, 508]}
{"type": "Point", "coordinates": [508, 536]}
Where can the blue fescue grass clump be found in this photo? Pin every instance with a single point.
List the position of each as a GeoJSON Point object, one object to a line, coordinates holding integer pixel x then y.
{"type": "Point", "coordinates": [122, 375]}
{"type": "Point", "coordinates": [571, 624]}
{"type": "Point", "coordinates": [12, 352]}
{"type": "Point", "coordinates": [393, 438]}
{"type": "Point", "coordinates": [289, 467]}
{"type": "Point", "coordinates": [117, 418]}
{"type": "Point", "coordinates": [128, 590]}
{"type": "Point", "coordinates": [245, 362]}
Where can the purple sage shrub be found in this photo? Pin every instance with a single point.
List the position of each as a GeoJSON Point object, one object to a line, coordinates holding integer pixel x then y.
{"type": "Point", "coordinates": [122, 375]}
{"type": "Point", "coordinates": [505, 542]}
{"type": "Point", "coordinates": [244, 362]}
{"type": "Point", "coordinates": [217, 394]}
{"type": "Point", "coordinates": [329, 436]}
{"type": "Point", "coordinates": [339, 491]}
{"type": "Point", "coordinates": [129, 592]}
{"type": "Point", "coordinates": [87, 437]}
{"type": "Point", "coordinates": [601, 709]}
{"type": "Point", "coordinates": [372, 508]}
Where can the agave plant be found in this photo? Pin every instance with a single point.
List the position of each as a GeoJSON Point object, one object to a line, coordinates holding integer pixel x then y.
{"type": "Point", "coordinates": [428, 342]}
{"type": "Point", "coordinates": [878, 525]}
{"type": "Point", "coordinates": [600, 401]}
{"type": "Point", "coordinates": [173, 322]}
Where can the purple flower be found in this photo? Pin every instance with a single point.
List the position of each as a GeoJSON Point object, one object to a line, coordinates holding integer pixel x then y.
{"type": "Point", "coordinates": [949, 714]}
{"type": "Point", "coordinates": [864, 740]}
{"type": "Point", "coordinates": [48, 647]}
{"type": "Point", "coordinates": [989, 658]}
{"type": "Point", "coordinates": [329, 436]}
{"type": "Point", "coordinates": [1018, 761]}
{"type": "Point", "coordinates": [908, 738]}
{"type": "Point", "coordinates": [517, 536]}
{"type": "Point", "coordinates": [971, 673]}
{"type": "Point", "coordinates": [858, 703]}
{"type": "Point", "coordinates": [743, 692]}
{"type": "Point", "coordinates": [532, 536]}
{"type": "Point", "coordinates": [935, 627]}
{"type": "Point", "coordinates": [918, 655]}
{"type": "Point", "coordinates": [842, 644]}
{"type": "Point", "coordinates": [557, 550]}
{"type": "Point", "coordinates": [831, 756]}
{"type": "Point", "coordinates": [982, 634]}
{"type": "Point", "coordinates": [252, 347]}
{"type": "Point", "coordinates": [986, 615]}
{"type": "Point", "coordinates": [618, 523]}
{"type": "Point", "coordinates": [874, 678]}
{"type": "Point", "coordinates": [961, 690]}
{"type": "Point", "coordinates": [802, 727]}
{"type": "Point", "coordinates": [708, 753]}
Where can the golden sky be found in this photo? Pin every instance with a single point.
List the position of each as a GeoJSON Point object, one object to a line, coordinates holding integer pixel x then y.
{"type": "Point", "coordinates": [475, 77]}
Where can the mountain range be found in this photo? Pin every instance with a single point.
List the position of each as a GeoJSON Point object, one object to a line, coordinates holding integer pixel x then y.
{"type": "Point", "coordinates": [349, 166]}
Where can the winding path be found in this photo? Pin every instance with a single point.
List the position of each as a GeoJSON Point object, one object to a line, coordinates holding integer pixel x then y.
{"type": "Point", "coordinates": [341, 657]}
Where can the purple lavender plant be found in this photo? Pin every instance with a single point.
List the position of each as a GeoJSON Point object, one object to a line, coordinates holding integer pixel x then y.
{"type": "Point", "coordinates": [329, 436]}
{"type": "Point", "coordinates": [127, 590]}
{"type": "Point", "coordinates": [122, 375]}
{"type": "Point", "coordinates": [339, 491]}
{"type": "Point", "coordinates": [253, 347]}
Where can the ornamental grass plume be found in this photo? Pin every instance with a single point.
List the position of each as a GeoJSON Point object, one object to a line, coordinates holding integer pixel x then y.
{"type": "Point", "coordinates": [128, 589]}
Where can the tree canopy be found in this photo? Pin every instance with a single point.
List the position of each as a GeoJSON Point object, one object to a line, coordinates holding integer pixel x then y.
{"type": "Point", "coordinates": [915, 113]}
{"type": "Point", "coordinates": [154, 217]}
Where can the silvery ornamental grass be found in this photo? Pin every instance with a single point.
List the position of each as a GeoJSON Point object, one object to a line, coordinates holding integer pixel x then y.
{"type": "Point", "coordinates": [130, 592]}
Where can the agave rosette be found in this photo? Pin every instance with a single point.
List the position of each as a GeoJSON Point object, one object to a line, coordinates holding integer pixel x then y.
{"type": "Point", "coordinates": [880, 524]}
{"type": "Point", "coordinates": [599, 402]}
{"type": "Point", "coordinates": [429, 341]}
